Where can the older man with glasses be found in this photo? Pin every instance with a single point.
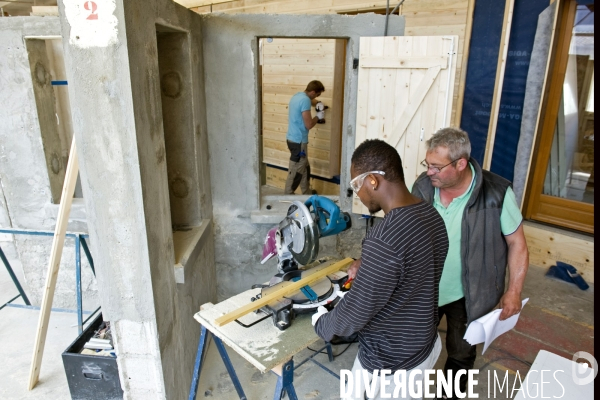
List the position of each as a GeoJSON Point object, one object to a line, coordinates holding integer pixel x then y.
{"type": "Point", "coordinates": [393, 301]}
{"type": "Point", "coordinates": [486, 235]}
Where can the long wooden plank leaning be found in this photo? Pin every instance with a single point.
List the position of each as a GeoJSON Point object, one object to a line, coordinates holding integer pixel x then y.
{"type": "Point", "coordinates": [57, 247]}
{"type": "Point", "coordinates": [321, 271]}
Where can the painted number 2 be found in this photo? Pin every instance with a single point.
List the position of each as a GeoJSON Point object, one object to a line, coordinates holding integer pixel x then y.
{"type": "Point", "coordinates": [91, 7]}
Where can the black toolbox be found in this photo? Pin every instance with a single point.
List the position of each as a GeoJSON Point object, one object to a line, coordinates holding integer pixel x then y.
{"type": "Point", "coordinates": [91, 377]}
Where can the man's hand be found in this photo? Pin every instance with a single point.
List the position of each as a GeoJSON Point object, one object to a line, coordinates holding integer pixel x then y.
{"type": "Point", "coordinates": [510, 304]}
{"type": "Point", "coordinates": [320, 311]}
{"type": "Point", "coordinates": [353, 269]}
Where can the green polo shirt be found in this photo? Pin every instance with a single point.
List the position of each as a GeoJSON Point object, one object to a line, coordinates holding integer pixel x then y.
{"type": "Point", "coordinates": [451, 287]}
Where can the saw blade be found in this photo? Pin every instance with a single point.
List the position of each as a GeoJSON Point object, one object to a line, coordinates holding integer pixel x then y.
{"type": "Point", "coordinates": [303, 233]}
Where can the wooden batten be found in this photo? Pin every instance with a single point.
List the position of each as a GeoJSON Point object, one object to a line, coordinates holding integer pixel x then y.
{"type": "Point", "coordinates": [504, 40]}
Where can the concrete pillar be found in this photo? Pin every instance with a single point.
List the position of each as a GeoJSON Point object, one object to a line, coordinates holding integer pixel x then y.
{"type": "Point", "coordinates": [136, 85]}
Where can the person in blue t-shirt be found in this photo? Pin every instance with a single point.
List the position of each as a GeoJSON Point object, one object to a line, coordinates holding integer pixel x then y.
{"type": "Point", "coordinates": [300, 121]}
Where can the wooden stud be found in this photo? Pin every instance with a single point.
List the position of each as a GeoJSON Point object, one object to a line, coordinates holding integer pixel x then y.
{"type": "Point", "coordinates": [506, 25]}
{"type": "Point", "coordinates": [319, 272]}
{"type": "Point", "coordinates": [464, 61]}
{"type": "Point", "coordinates": [60, 230]}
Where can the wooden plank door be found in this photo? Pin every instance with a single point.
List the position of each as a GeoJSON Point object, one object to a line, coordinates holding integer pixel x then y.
{"type": "Point", "coordinates": [405, 90]}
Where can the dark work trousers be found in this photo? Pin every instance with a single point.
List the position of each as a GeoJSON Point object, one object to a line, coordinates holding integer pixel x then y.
{"type": "Point", "coordinates": [461, 355]}
{"type": "Point", "coordinates": [299, 168]}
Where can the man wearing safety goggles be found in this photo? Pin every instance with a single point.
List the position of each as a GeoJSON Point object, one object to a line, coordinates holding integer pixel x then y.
{"type": "Point", "coordinates": [393, 301]}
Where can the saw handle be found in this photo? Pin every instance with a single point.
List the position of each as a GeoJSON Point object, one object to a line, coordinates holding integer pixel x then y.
{"type": "Point", "coordinates": [328, 216]}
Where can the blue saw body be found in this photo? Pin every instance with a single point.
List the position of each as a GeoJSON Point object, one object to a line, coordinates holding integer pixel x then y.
{"type": "Point", "coordinates": [328, 216]}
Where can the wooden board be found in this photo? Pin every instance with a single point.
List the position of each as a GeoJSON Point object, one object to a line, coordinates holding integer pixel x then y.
{"type": "Point", "coordinates": [546, 246]}
{"type": "Point", "coordinates": [44, 11]}
{"type": "Point", "coordinates": [404, 106]}
{"type": "Point", "coordinates": [262, 345]}
{"type": "Point", "coordinates": [58, 242]}
{"type": "Point", "coordinates": [317, 273]}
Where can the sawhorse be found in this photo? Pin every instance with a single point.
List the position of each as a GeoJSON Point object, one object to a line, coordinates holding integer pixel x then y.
{"type": "Point", "coordinates": [285, 375]}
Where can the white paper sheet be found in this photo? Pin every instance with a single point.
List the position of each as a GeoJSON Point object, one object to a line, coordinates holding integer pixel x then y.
{"type": "Point", "coordinates": [489, 327]}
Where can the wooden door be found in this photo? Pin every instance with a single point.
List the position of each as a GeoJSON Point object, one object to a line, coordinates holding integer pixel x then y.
{"type": "Point", "coordinates": [405, 90]}
{"type": "Point", "coordinates": [562, 185]}
{"type": "Point", "coordinates": [288, 65]}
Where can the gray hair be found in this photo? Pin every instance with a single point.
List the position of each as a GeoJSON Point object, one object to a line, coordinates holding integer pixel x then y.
{"type": "Point", "coordinates": [454, 139]}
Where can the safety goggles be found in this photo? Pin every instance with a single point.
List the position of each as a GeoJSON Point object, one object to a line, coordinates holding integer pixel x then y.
{"type": "Point", "coordinates": [358, 181]}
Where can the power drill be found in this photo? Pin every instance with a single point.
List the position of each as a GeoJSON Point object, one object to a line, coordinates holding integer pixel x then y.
{"type": "Point", "coordinates": [320, 107]}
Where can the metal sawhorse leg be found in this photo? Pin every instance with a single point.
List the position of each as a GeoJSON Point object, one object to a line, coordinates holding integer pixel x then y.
{"type": "Point", "coordinates": [79, 242]}
{"type": "Point", "coordinates": [198, 365]}
{"type": "Point", "coordinates": [285, 379]}
{"type": "Point", "coordinates": [285, 382]}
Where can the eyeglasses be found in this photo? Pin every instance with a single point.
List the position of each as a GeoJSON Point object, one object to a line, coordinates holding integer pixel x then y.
{"type": "Point", "coordinates": [436, 170]}
{"type": "Point", "coordinates": [358, 181]}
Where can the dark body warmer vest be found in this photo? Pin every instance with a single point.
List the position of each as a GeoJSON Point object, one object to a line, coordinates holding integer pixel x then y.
{"type": "Point", "coordinates": [483, 249]}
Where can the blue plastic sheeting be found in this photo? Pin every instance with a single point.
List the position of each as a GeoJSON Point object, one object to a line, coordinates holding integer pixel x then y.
{"type": "Point", "coordinates": [481, 75]}
{"type": "Point", "coordinates": [522, 34]}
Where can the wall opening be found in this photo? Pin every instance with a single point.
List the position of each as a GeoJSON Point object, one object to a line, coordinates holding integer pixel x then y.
{"type": "Point", "coordinates": [176, 83]}
{"type": "Point", "coordinates": [286, 66]}
{"type": "Point", "coordinates": [49, 80]}
{"type": "Point", "coordinates": [178, 125]}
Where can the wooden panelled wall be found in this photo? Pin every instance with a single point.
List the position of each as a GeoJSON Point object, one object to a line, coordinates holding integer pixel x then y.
{"type": "Point", "coordinates": [423, 18]}
{"type": "Point", "coordinates": [287, 67]}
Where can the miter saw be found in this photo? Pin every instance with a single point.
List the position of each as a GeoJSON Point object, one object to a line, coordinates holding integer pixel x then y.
{"type": "Point", "coordinates": [295, 243]}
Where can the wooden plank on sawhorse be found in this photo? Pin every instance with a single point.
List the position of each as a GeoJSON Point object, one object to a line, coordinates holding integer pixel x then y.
{"type": "Point", "coordinates": [319, 272]}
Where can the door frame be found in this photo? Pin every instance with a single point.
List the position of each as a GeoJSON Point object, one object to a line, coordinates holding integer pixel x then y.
{"type": "Point", "coordinates": [537, 206]}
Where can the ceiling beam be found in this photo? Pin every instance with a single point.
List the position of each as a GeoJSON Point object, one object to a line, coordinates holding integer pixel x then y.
{"type": "Point", "coordinates": [200, 3]}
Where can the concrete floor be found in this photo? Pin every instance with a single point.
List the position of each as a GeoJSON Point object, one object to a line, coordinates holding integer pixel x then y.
{"type": "Point", "coordinates": [558, 318]}
{"type": "Point", "coordinates": [18, 328]}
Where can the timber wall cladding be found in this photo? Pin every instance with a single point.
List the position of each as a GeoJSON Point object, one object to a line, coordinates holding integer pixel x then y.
{"type": "Point", "coordinates": [287, 67]}
{"type": "Point", "coordinates": [423, 18]}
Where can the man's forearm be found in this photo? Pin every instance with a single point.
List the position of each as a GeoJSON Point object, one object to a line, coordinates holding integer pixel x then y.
{"type": "Point", "coordinates": [518, 261]}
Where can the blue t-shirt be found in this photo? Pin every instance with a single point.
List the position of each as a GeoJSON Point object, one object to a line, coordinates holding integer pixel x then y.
{"type": "Point", "coordinates": [297, 132]}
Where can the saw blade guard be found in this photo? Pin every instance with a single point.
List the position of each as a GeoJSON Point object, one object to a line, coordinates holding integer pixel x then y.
{"type": "Point", "coordinates": [301, 233]}
{"type": "Point", "coordinates": [270, 245]}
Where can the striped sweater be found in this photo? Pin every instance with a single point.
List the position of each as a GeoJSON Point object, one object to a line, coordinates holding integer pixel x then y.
{"type": "Point", "coordinates": [393, 300]}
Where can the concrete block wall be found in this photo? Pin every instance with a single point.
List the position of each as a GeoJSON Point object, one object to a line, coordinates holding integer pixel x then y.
{"type": "Point", "coordinates": [231, 59]}
{"type": "Point", "coordinates": [32, 163]}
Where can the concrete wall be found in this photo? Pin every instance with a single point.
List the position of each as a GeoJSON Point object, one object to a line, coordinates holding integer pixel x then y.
{"type": "Point", "coordinates": [231, 58]}
{"type": "Point", "coordinates": [30, 160]}
{"type": "Point", "coordinates": [119, 101]}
